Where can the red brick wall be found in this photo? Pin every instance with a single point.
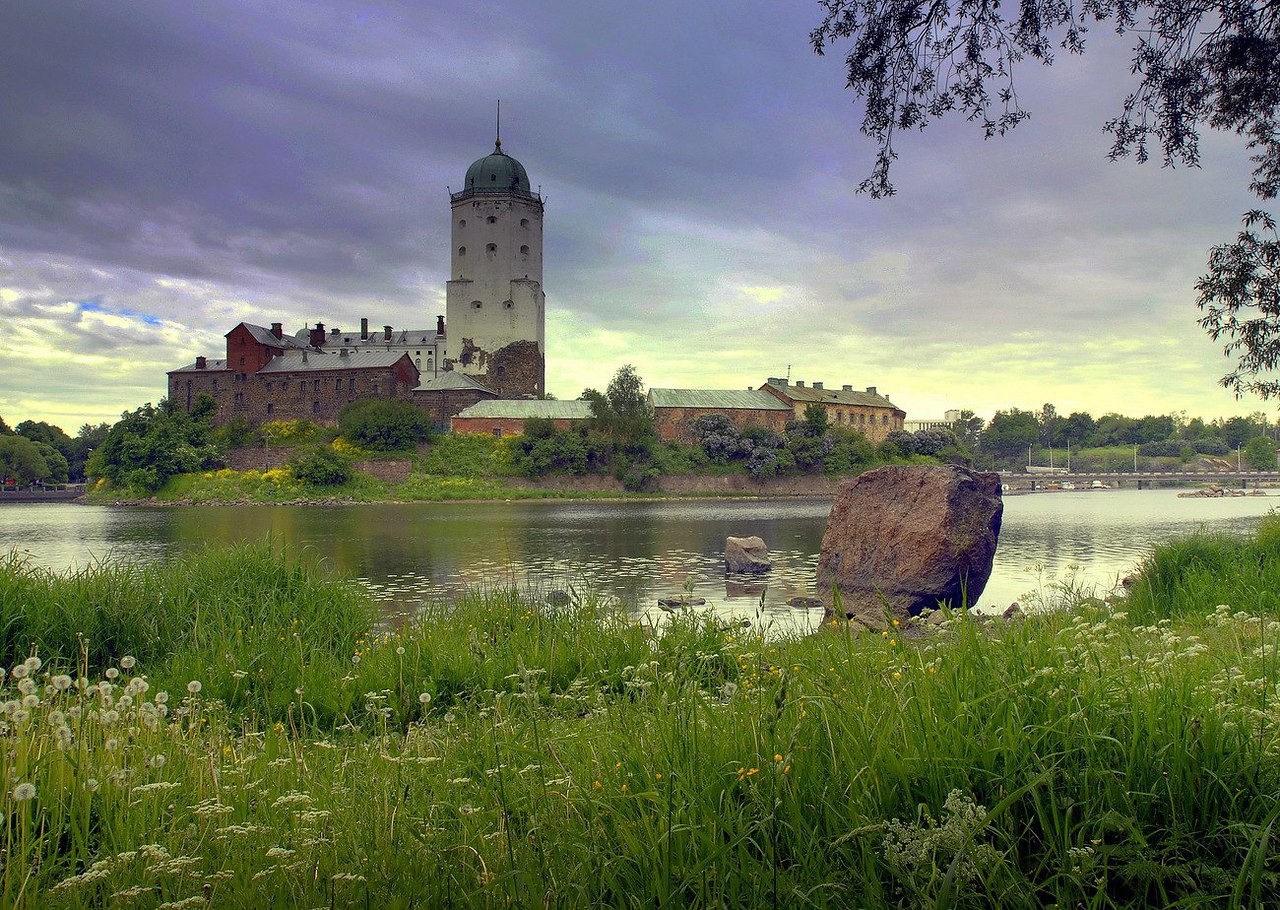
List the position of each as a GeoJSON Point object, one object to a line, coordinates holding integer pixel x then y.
{"type": "Point", "coordinates": [442, 406]}
{"type": "Point", "coordinates": [677, 423]}
{"type": "Point", "coordinates": [244, 353]}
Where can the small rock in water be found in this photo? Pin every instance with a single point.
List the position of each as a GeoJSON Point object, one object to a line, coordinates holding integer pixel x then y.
{"type": "Point", "coordinates": [557, 598]}
{"type": "Point", "coordinates": [746, 554]}
{"type": "Point", "coordinates": [675, 603]}
{"type": "Point", "coordinates": [804, 603]}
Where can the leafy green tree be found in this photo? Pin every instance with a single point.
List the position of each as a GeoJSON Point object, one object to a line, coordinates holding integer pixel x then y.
{"type": "Point", "coordinates": [58, 469]}
{"type": "Point", "coordinates": [1078, 427]}
{"type": "Point", "coordinates": [1238, 430]}
{"type": "Point", "coordinates": [1048, 424]}
{"type": "Point", "coordinates": [623, 410]}
{"type": "Point", "coordinates": [21, 461]}
{"type": "Point", "coordinates": [39, 431]}
{"type": "Point", "coordinates": [816, 420]}
{"type": "Point", "coordinates": [384, 424]}
{"type": "Point", "coordinates": [850, 452]}
{"type": "Point", "coordinates": [1010, 432]}
{"type": "Point", "coordinates": [4, 428]}
{"type": "Point", "coordinates": [1240, 298]}
{"type": "Point", "coordinates": [544, 449]}
{"type": "Point", "coordinates": [87, 439]}
{"type": "Point", "coordinates": [1260, 453]}
{"type": "Point", "coordinates": [149, 445]}
{"type": "Point", "coordinates": [321, 466]}
{"type": "Point", "coordinates": [968, 429]}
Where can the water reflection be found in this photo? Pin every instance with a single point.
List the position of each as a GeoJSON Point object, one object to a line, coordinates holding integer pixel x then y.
{"type": "Point", "coordinates": [637, 551]}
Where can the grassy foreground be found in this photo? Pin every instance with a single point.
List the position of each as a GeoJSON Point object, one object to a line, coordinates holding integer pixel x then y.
{"type": "Point", "coordinates": [232, 729]}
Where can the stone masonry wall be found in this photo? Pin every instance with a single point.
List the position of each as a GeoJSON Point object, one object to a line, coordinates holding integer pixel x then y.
{"type": "Point", "coordinates": [677, 423]}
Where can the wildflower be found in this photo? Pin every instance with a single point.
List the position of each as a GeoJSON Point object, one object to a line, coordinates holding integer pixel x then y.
{"type": "Point", "coordinates": [161, 698]}
{"type": "Point", "coordinates": [32, 663]}
{"type": "Point", "coordinates": [400, 650]}
{"type": "Point", "coordinates": [194, 687]}
{"type": "Point", "coordinates": [20, 671]}
{"type": "Point", "coordinates": [111, 744]}
{"type": "Point", "coordinates": [112, 673]}
{"type": "Point", "coordinates": [449, 717]}
{"type": "Point", "coordinates": [597, 784]}
{"type": "Point", "coordinates": [91, 784]}
{"type": "Point", "coordinates": [24, 792]}
{"type": "Point", "coordinates": [897, 675]}
{"type": "Point", "coordinates": [624, 788]}
{"type": "Point", "coordinates": [21, 715]}
{"type": "Point", "coordinates": [157, 761]}
{"type": "Point", "coordinates": [30, 701]}
{"type": "Point", "coordinates": [61, 682]}
{"type": "Point", "coordinates": [777, 757]}
{"type": "Point", "coordinates": [786, 770]}
{"type": "Point", "coordinates": [27, 686]}
{"type": "Point", "coordinates": [127, 662]}
{"type": "Point", "coordinates": [57, 719]}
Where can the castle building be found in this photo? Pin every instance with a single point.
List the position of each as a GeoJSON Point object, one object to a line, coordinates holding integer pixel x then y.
{"type": "Point", "coordinates": [494, 346]}
{"type": "Point", "coordinates": [870, 413]}
{"type": "Point", "coordinates": [495, 306]}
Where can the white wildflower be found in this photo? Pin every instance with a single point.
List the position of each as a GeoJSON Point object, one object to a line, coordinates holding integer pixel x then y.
{"type": "Point", "coordinates": [23, 792]}
{"type": "Point", "coordinates": [194, 687]}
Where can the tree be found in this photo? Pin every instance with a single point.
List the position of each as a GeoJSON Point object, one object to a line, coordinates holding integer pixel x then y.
{"type": "Point", "coordinates": [1240, 297]}
{"type": "Point", "coordinates": [321, 466]}
{"type": "Point", "coordinates": [1214, 64]}
{"type": "Point", "coordinates": [1048, 424]}
{"type": "Point", "coordinates": [48, 434]}
{"type": "Point", "coordinates": [623, 410]}
{"type": "Point", "coordinates": [968, 429]}
{"type": "Point", "coordinates": [4, 428]}
{"type": "Point", "coordinates": [384, 424]}
{"type": "Point", "coordinates": [20, 461]}
{"type": "Point", "coordinates": [1010, 432]}
{"type": "Point", "coordinates": [1260, 454]}
{"type": "Point", "coordinates": [1077, 428]}
{"type": "Point", "coordinates": [149, 445]}
{"type": "Point", "coordinates": [816, 420]}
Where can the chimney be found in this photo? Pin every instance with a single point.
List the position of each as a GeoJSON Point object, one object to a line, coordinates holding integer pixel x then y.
{"type": "Point", "coordinates": [201, 363]}
{"type": "Point", "coordinates": [386, 333]}
{"type": "Point", "coordinates": [316, 336]}
{"type": "Point", "coordinates": [334, 333]}
{"type": "Point", "coordinates": [277, 329]}
{"type": "Point", "coordinates": [364, 328]}
{"type": "Point", "coordinates": [871, 390]}
{"type": "Point", "coordinates": [777, 380]}
{"type": "Point", "coordinates": [439, 325]}
{"type": "Point", "coordinates": [817, 385]}
{"type": "Point", "coordinates": [799, 383]}
{"type": "Point", "coordinates": [846, 388]}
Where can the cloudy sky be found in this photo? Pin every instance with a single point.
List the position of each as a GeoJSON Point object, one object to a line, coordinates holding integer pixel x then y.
{"type": "Point", "coordinates": [169, 169]}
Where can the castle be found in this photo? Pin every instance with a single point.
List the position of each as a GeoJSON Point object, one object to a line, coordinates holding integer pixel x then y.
{"type": "Point", "coordinates": [491, 342]}
{"type": "Point", "coordinates": [482, 367]}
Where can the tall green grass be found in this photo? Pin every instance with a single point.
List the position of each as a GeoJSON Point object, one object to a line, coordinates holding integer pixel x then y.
{"type": "Point", "coordinates": [1192, 575]}
{"type": "Point", "coordinates": [502, 751]}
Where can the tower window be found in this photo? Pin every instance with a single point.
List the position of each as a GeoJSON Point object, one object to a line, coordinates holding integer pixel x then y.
{"type": "Point", "coordinates": [524, 222]}
{"type": "Point", "coordinates": [476, 304]}
{"type": "Point", "coordinates": [492, 219]}
{"type": "Point", "coordinates": [462, 222]}
{"type": "Point", "coordinates": [462, 251]}
{"type": "Point", "coordinates": [491, 248]}
{"type": "Point", "coordinates": [524, 249]}
{"type": "Point", "coordinates": [508, 304]}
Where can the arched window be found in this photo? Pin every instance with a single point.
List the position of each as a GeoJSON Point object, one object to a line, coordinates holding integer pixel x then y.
{"type": "Point", "coordinates": [524, 222]}
{"type": "Point", "coordinates": [492, 219]}
{"type": "Point", "coordinates": [508, 304]}
{"type": "Point", "coordinates": [476, 304]}
{"type": "Point", "coordinates": [524, 250]}
{"type": "Point", "coordinates": [491, 248]}
{"type": "Point", "coordinates": [462, 223]}
{"type": "Point", "coordinates": [501, 372]}
{"type": "Point", "coordinates": [462, 251]}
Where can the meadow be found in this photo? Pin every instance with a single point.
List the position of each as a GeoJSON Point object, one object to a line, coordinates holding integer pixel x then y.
{"type": "Point", "coordinates": [236, 728]}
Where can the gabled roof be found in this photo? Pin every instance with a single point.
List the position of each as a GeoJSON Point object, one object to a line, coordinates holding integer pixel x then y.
{"type": "Point", "coordinates": [211, 366]}
{"type": "Point", "coordinates": [717, 399]}
{"type": "Point", "coordinates": [268, 338]}
{"type": "Point", "coordinates": [311, 361]}
{"type": "Point", "coordinates": [452, 380]}
{"type": "Point", "coordinates": [830, 396]}
{"type": "Point", "coordinates": [524, 408]}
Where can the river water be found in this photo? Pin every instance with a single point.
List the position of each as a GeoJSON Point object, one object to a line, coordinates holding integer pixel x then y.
{"type": "Point", "coordinates": [637, 551]}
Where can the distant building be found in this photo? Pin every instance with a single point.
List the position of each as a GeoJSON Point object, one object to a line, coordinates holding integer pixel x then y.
{"type": "Point", "coordinates": [675, 411]}
{"type": "Point", "coordinates": [870, 413]}
{"type": "Point", "coordinates": [948, 422]}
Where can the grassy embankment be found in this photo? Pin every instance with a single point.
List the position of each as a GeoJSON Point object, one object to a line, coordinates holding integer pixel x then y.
{"type": "Point", "coordinates": [498, 752]}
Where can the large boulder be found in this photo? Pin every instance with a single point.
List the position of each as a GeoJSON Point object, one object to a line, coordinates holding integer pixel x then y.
{"type": "Point", "coordinates": [746, 554]}
{"type": "Point", "coordinates": [901, 539]}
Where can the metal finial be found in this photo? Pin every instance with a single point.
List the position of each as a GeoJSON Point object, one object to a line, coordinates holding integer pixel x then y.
{"type": "Point", "coordinates": [497, 142]}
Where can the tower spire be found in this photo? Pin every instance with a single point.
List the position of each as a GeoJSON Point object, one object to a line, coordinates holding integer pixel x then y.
{"type": "Point", "coordinates": [497, 141]}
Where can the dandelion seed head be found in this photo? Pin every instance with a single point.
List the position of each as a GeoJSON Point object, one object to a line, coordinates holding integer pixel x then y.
{"type": "Point", "coordinates": [194, 687]}
{"type": "Point", "coordinates": [112, 673]}
{"type": "Point", "coordinates": [424, 698]}
{"type": "Point", "coordinates": [24, 791]}
{"type": "Point", "coordinates": [61, 682]}
{"type": "Point", "coordinates": [127, 662]}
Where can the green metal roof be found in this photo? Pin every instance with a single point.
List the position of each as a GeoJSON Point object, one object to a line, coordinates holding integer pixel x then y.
{"type": "Point", "coordinates": [452, 380]}
{"type": "Point", "coordinates": [524, 408]}
{"type": "Point", "coordinates": [718, 399]}
{"type": "Point", "coordinates": [497, 173]}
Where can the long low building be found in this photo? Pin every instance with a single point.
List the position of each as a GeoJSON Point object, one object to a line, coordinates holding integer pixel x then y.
{"type": "Point", "coordinates": [676, 411]}
{"type": "Point", "coordinates": [506, 417]}
{"type": "Point", "coordinates": [870, 413]}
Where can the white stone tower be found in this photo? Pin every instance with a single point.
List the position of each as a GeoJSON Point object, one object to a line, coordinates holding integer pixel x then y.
{"type": "Point", "coordinates": [495, 307]}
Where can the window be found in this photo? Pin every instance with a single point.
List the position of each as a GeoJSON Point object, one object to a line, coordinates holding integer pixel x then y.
{"type": "Point", "coordinates": [270, 386]}
{"type": "Point", "coordinates": [491, 248]}
{"type": "Point", "coordinates": [497, 431]}
{"type": "Point", "coordinates": [500, 372]}
{"type": "Point", "coordinates": [284, 386]}
{"type": "Point", "coordinates": [462, 251]}
{"type": "Point", "coordinates": [270, 408]}
{"type": "Point", "coordinates": [884, 419]}
{"type": "Point", "coordinates": [462, 223]}
{"type": "Point", "coordinates": [524, 249]}
{"type": "Point", "coordinates": [315, 407]}
{"type": "Point", "coordinates": [241, 361]}
{"type": "Point", "coordinates": [417, 362]}
{"type": "Point", "coordinates": [376, 388]}
{"type": "Point", "coordinates": [524, 222]}
{"type": "Point", "coordinates": [491, 220]}
{"type": "Point", "coordinates": [351, 384]}
{"type": "Point", "coordinates": [476, 304]}
{"type": "Point", "coordinates": [239, 397]}
{"type": "Point", "coordinates": [862, 418]}
{"type": "Point", "coordinates": [317, 385]}
{"type": "Point", "coordinates": [508, 304]}
{"type": "Point", "coordinates": [337, 385]}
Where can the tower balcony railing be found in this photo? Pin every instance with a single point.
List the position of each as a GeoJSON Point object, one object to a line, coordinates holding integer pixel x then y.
{"type": "Point", "coordinates": [495, 191]}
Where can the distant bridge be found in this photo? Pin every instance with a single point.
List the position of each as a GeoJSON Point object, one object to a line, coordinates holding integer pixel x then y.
{"type": "Point", "coordinates": [1140, 479]}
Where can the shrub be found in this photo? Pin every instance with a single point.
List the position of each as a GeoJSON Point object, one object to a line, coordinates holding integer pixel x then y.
{"type": "Point", "coordinates": [321, 466]}
{"type": "Point", "coordinates": [1166, 448]}
{"type": "Point", "coordinates": [384, 424]}
{"type": "Point", "coordinates": [720, 438]}
{"type": "Point", "coordinates": [543, 449]}
{"type": "Point", "coordinates": [150, 445]}
{"type": "Point", "coordinates": [284, 432]}
{"type": "Point", "coordinates": [1211, 445]}
{"type": "Point", "coordinates": [1260, 453]}
{"type": "Point", "coordinates": [235, 433]}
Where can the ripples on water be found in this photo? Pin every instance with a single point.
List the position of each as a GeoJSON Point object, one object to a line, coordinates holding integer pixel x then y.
{"type": "Point", "coordinates": [407, 555]}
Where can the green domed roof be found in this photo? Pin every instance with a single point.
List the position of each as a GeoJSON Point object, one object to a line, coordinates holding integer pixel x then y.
{"type": "Point", "coordinates": [497, 173]}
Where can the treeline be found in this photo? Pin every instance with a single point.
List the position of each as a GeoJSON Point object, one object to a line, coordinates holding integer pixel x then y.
{"type": "Point", "coordinates": [1009, 434]}
{"type": "Point", "coordinates": [39, 452]}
